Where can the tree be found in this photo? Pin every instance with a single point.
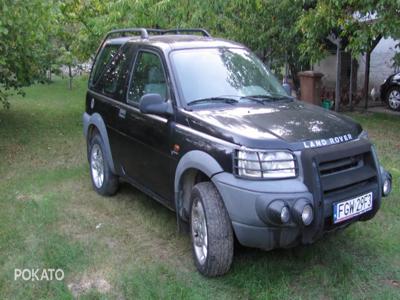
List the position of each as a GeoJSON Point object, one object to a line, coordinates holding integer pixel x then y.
{"type": "Point", "coordinates": [83, 23]}
{"type": "Point", "coordinates": [23, 35]}
{"type": "Point", "coordinates": [65, 38]}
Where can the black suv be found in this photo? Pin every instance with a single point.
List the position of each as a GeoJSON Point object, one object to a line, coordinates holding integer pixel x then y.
{"type": "Point", "coordinates": [202, 126]}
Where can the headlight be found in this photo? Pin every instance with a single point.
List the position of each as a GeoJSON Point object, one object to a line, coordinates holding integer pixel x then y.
{"type": "Point", "coordinates": [265, 164]}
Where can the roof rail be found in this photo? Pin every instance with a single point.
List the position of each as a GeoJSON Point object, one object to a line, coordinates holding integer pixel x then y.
{"type": "Point", "coordinates": [188, 30]}
{"type": "Point", "coordinates": [144, 32]}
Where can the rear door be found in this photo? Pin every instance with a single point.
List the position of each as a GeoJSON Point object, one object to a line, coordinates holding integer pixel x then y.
{"type": "Point", "coordinates": [107, 93]}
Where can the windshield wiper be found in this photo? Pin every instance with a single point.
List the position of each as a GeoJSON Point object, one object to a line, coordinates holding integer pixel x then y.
{"type": "Point", "coordinates": [213, 99]}
{"type": "Point", "coordinates": [263, 98]}
{"type": "Point", "coordinates": [252, 98]}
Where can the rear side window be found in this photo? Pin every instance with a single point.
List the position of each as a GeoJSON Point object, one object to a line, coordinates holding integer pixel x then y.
{"type": "Point", "coordinates": [115, 74]}
{"type": "Point", "coordinates": [148, 77]}
{"type": "Point", "coordinates": [103, 58]}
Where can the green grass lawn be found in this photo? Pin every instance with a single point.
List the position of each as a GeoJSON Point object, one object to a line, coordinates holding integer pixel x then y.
{"type": "Point", "coordinates": [126, 247]}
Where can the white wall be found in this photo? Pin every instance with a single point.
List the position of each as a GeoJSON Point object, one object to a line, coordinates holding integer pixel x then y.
{"type": "Point", "coordinates": [327, 67]}
{"type": "Point", "coordinates": [380, 66]}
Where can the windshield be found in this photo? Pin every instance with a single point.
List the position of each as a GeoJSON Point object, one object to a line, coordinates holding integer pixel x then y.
{"type": "Point", "coordinates": [223, 72]}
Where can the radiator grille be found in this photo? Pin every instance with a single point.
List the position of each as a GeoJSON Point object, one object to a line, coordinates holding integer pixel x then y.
{"type": "Point", "coordinates": [346, 172]}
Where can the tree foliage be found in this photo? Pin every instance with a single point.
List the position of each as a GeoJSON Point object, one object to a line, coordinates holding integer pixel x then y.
{"type": "Point", "coordinates": [24, 40]}
{"type": "Point", "coordinates": [269, 28]}
{"type": "Point", "coordinates": [36, 34]}
{"type": "Point", "coordinates": [358, 22]}
{"type": "Point", "coordinates": [266, 26]}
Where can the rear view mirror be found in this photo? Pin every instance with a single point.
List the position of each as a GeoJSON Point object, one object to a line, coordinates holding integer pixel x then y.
{"type": "Point", "coordinates": [155, 104]}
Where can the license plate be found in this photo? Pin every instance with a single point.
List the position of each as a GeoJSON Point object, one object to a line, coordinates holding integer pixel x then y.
{"type": "Point", "coordinates": [348, 209]}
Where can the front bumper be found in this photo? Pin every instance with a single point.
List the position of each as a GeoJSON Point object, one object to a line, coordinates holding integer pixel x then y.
{"type": "Point", "coordinates": [247, 203]}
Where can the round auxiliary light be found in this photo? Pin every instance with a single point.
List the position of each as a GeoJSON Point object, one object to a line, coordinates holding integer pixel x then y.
{"type": "Point", "coordinates": [307, 215]}
{"type": "Point", "coordinates": [387, 186]}
{"type": "Point", "coordinates": [285, 215]}
{"type": "Point", "coordinates": [278, 212]}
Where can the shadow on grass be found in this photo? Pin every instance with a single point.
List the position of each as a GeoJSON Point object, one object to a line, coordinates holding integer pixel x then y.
{"type": "Point", "coordinates": [23, 125]}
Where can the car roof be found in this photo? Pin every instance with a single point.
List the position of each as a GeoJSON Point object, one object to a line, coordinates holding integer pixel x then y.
{"type": "Point", "coordinates": [174, 41]}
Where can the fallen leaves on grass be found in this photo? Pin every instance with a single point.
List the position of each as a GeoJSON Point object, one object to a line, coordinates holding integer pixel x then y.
{"type": "Point", "coordinates": [26, 197]}
{"type": "Point", "coordinates": [393, 283]}
{"type": "Point", "coordinates": [89, 282]}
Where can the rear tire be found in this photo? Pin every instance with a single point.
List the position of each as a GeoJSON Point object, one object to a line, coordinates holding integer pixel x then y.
{"type": "Point", "coordinates": [104, 181]}
{"type": "Point", "coordinates": [211, 231]}
{"type": "Point", "coordinates": [393, 98]}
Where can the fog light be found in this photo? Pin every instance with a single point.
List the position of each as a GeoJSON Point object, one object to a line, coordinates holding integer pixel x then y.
{"type": "Point", "coordinates": [387, 186]}
{"type": "Point", "coordinates": [303, 212]}
{"type": "Point", "coordinates": [307, 215]}
{"type": "Point", "coordinates": [278, 212]}
{"type": "Point", "coordinates": [285, 215]}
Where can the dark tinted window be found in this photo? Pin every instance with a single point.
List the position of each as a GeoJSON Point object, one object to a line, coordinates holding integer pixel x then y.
{"type": "Point", "coordinates": [103, 58]}
{"type": "Point", "coordinates": [148, 77]}
{"type": "Point", "coordinates": [114, 76]}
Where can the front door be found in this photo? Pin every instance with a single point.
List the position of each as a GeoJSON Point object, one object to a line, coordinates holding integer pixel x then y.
{"type": "Point", "coordinates": [146, 155]}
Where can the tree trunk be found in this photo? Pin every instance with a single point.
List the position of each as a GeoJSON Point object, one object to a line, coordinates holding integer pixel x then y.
{"type": "Point", "coordinates": [367, 68]}
{"type": "Point", "coordinates": [338, 74]}
{"type": "Point", "coordinates": [366, 78]}
{"type": "Point", "coordinates": [293, 72]}
{"type": "Point", "coordinates": [70, 77]}
{"type": "Point", "coordinates": [264, 55]}
{"type": "Point", "coordinates": [351, 83]}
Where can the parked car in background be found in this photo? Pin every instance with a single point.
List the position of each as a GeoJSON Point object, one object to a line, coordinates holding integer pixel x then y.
{"type": "Point", "coordinates": [390, 91]}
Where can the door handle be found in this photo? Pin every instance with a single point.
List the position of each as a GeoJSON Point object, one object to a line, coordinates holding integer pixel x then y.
{"type": "Point", "coordinates": [122, 113]}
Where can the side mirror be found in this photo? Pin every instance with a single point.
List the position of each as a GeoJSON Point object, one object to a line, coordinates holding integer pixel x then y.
{"type": "Point", "coordinates": [155, 104]}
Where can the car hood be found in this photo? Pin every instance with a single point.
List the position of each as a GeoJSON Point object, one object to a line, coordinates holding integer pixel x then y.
{"type": "Point", "coordinates": [279, 122]}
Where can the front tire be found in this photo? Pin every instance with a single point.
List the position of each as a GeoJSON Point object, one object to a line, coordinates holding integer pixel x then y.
{"type": "Point", "coordinates": [211, 231]}
{"type": "Point", "coordinates": [393, 98]}
{"type": "Point", "coordinates": [104, 181]}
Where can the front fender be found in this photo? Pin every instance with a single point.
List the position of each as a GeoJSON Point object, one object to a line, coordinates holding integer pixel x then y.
{"type": "Point", "coordinates": [197, 160]}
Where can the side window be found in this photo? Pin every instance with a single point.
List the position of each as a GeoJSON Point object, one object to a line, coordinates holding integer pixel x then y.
{"type": "Point", "coordinates": [148, 77]}
{"type": "Point", "coordinates": [112, 80]}
{"type": "Point", "coordinates": [104, 56]}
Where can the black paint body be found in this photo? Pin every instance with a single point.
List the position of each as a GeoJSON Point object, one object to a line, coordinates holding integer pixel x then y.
{"type": "Point", "coordinates": [143, 146]}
